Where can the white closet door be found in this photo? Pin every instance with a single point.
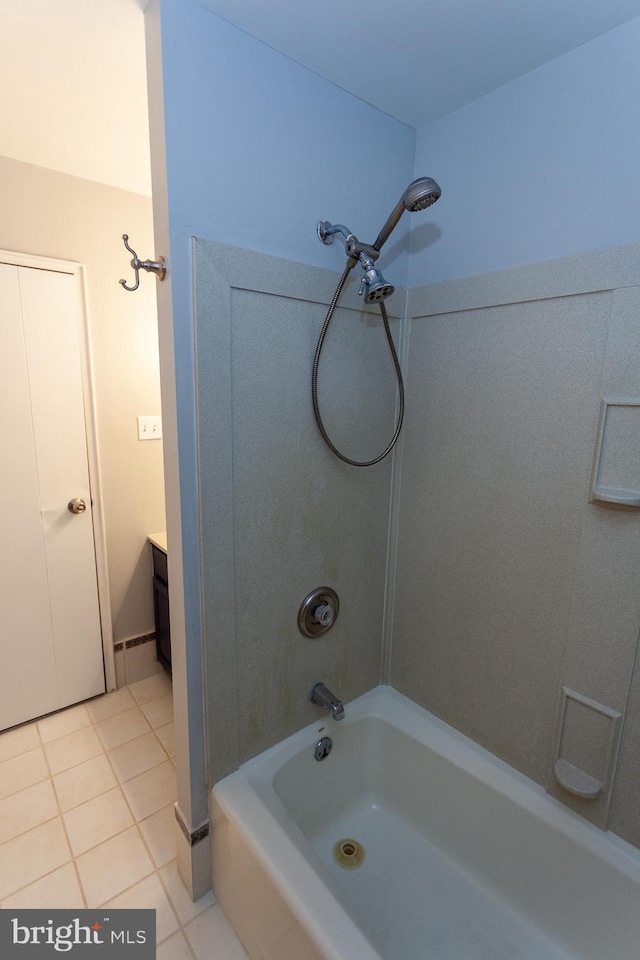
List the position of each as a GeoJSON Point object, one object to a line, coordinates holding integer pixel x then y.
{"type": "Point", "coordinates": [50, 640]}
{"type": "Point", "coordinates": [27, 659]}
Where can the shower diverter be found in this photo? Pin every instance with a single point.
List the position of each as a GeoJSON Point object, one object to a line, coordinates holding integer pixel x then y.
{"type": "Point", "coordinates": [318, 612]}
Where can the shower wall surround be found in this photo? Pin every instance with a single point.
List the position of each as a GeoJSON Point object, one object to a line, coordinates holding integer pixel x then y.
{"type": "Point", "coordinates": [510, 582]}
{"type": "Point", "coordinates": [510, 585]}
{"type": "Point", "coordinates": [280, 515]}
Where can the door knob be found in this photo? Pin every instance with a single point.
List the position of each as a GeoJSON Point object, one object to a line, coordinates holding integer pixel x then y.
{"type": "Point", "coordinates": [76, 505]}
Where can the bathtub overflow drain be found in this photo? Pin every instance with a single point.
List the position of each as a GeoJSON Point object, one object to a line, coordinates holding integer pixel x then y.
{"type": "Point", "coordinates": [348, 854]}
{"type": "Point", "coordinates": [323, 748]}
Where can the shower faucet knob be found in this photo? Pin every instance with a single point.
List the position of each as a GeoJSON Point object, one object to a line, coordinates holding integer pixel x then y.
{"type": "Point", "coordinates": [364, 283]}
{"type": "Point", "coordinates": [323, 615]}
{"type": "Point", "coordinates": [318, 612]}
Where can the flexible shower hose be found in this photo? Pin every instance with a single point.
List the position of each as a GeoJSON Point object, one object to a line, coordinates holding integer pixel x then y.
{"type": "Point", "coordinates": [314, 376]}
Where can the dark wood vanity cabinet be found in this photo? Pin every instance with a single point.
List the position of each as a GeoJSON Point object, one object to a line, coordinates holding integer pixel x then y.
{"type": "Point", "coordinates": [161, 607]}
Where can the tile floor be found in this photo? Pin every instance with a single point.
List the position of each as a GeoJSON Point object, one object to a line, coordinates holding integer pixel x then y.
{"type": "Point", "coordinates": [86, 818]}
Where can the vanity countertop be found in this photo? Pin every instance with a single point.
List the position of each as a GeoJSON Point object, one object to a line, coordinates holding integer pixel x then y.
{"type": "Point", "coordinates": [158, 540]}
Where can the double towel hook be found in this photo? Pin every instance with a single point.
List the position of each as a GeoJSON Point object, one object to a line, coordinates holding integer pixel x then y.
{"type": "Point", "coordinates": [158, 267]}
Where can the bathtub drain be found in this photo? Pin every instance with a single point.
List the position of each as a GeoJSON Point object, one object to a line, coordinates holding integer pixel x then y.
{"type": "Point", "coordinates": [348, 854]}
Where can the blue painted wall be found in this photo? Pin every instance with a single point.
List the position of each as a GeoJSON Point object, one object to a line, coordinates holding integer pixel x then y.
{"type": "Point", "coordinates": [544, 167]}
{"type": "Point", "coordinates": [259, 148]}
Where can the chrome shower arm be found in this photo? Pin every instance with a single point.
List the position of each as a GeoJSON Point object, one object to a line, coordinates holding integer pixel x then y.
{"type": "Point", "coordinates": [327, 232]}
{"type": "Point", "coordinates": [353, 247]}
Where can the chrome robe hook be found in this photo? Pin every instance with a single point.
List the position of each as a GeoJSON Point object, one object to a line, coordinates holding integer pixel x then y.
{"type": "Point", "coordinates": [158, 267]}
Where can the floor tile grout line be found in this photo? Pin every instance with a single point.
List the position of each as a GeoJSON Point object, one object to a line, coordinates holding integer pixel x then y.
{"type": "Point", "coordinates": [42, 745]}
{"type": "Point", "coordinates": [61, 813]}
{"type": "Point", "coordinates": [142, 837]}
{"type": "Point", "coordinates": [110, 762]}
{"type": "Point", "coordinates": [181, 926]}
{"type": "Point", "coordinates": [16, 836]}
{"type": "Point", "coordinates": [80, 884]}
{"type": "Point", "coordinates": [154, 872]}
{"type": "Point", "coordinates": [67, 734]}
{"type": "Point", "coordinates": [146, 846]}
{"type": "Point", "coordinates": [43, 877]}
{"type": "Point", "coordinates": [175, 909]}
{"type": "Point", "coordinates": [188, 943]}
{"type": "Point", "coordinates": [62, 821]}
{"type": "Point", "coordinates": [128, 805]}
{"type": "Point", "coordinates": [155, 729]}
{"type": "Point", "coordinates": [64, 828]}
{"type": "Point", "coordinates": [129, 779]}
{"type": "Point", "coordinates": [24, 753]}
{"type": "Point", "coordinates": [107, 719]}
{"type": "Point", "coordinates": [136, 823]}
{"type": "Point", "coordinates": [126, 890]}
{"type": "Point", "coordinates": [133, 741]}
{"type": "Point", "coordinates": [113, 835]}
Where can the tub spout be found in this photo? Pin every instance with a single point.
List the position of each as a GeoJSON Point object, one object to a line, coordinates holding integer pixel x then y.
{"type": "Point", "coordinates": [324, 698]}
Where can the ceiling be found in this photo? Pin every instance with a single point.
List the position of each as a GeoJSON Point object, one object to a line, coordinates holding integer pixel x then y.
{"type": "Point", "coordinates": [421, 59]}
{"type": "Point", "coordinates": [73, 81]}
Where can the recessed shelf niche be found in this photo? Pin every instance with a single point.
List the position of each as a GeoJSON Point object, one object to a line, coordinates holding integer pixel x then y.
{"type": "Point", "coordinates": [616, 463]}
{"type": "Point", "coordinates": [586, 745]}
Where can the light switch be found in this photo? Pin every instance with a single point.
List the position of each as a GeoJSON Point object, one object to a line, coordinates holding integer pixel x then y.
{"type": "Point", "coordinates": [149, 428]}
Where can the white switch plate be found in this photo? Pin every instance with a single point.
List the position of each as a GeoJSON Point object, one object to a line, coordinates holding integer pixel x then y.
{"type": "Point", "coordinates": [149, 428]}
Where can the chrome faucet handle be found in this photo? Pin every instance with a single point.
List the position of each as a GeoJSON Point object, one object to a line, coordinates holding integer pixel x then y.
{"type": "Point", "coordinates": [324, 615]}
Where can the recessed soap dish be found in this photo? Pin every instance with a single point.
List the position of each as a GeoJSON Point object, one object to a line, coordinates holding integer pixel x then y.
{"type": "Point", "coordinates": [576, 781]}
{"type": "Point", "coordinates": [614, 475]}
{"type": "Point", "coordinates": [586, 743]}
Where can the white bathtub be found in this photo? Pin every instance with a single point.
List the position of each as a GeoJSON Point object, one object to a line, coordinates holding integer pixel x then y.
{"type": "Point", "coordinates": [465, 859]}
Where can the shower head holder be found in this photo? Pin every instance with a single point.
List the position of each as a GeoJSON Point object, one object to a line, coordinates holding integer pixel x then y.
{"type": "Point", "coordinates": [354, 248]}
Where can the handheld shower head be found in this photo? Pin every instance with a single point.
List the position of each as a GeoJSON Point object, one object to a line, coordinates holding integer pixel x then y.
{"type": "Point", "coordinates": [419, 195]}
